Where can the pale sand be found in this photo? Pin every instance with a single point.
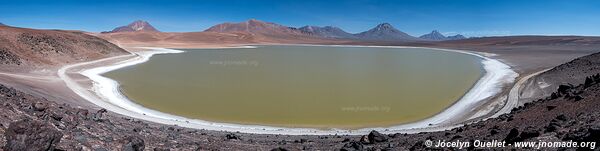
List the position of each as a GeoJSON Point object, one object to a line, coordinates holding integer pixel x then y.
{"type": "Point", "coordinates": [105, 93]}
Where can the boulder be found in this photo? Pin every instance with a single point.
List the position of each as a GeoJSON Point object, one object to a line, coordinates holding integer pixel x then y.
{"type": "Point", "coordinates": [512, 136]}
{"type": "Point", "coordinates": [529, 132]}
{"type": "Point", "coordinates": [352, 146]}
{"type": "Point", "coordinates": [593, 133]}
{"type": "Point", "coordinates": [133, 143]}
{"type": "Point", "coordinates": [161, 149]}
{"type": "Point", "coordinates": [232, 136]}
{"type": "Point", "coordinates": [562, 89]}
{"type": "Point", "coordinates": [28, 134]}
{"type": "Point", "coordinates": [588, 82]}
{"type": "Point", "coordinates": [562, 117]}
{"type": "Point", "coordinates": [375, 137]}
{"type": "Point", "coordinates": [553, 126]}
{"type": "Point", "coordinates": [365, 140]}
{"type": "Point", "coordinates": [550, 107]}
{"type": "Point", "coordinates": [279, 149]}
{"type": "Point", "coordinates": [98, 115]}
{"type": "Point", "coordinates": [39, 106]}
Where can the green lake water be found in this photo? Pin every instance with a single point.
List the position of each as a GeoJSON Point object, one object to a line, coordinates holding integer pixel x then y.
{"type": "Point", "coordinates": [302, 86]}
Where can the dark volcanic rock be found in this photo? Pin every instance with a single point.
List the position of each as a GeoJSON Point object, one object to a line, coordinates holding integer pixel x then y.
{"type": "Point", "coordinates": [133, 143]}
{"type": "Point", "coordinates": [98, 115]}
{"type": "Point", "coordinates": [552, 127]}
{"type": "Point", "coordinates": [30, 134]}
{"type": "Point", "coordinates": [232, 136]}
{"type": "Point", "coordinates": [365, 140]}
{"type": "Point", "coordinates": [529, 132]}
{"type": "Point", "coordinates": [375, 137]}
{"type": "Point", "coordinates": [550, 107]}
{"type": "Point", "coordinates": [279, 149]}
{"type": "Point", "coordinates": [352, 146]}
{"type": "Point", "coordinates": [592, 133]}
{"type": "Point", "coordinates": [512, 136]}
{"type": "Point", "coordinates": [561, 117]}
{"type": "Point", "coordinates": [39, 106]}
{"type": "Point", "coordinates": [160, 149]}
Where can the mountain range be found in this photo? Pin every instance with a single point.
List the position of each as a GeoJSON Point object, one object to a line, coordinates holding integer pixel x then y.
{"type": "Point", "coordinates": [437, 36]}
{"type": "Point", "coordinates": [381, 32]}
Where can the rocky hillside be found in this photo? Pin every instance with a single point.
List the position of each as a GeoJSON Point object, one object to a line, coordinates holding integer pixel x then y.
{"type": "Point", "coordinates": [22, 48]}
{"type": "Point", "coordinates": [571, 72]}
{"type": "Point", "coordinates": [385, 32]}
{"type": "Point", "coordinates": [327, 32]}
{"type": "Point", "coordinates": [136, 26]}
{"type": "Point", "coordinates": [437, 36]}
{"type": "Point", "coordinates": [570, 114]}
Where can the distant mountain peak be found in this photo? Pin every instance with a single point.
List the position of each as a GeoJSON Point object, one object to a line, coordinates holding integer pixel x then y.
{"type": "Point", "coordinates": [385, 26]}
{"type": "Point", "coordinates": [138, 25]}
{"type": "Point", "coordinates": [385, 32]}
{"type": "Point", "coordinates": [435, 35]}
{"type": "Point", "coordinates": [456, 37]}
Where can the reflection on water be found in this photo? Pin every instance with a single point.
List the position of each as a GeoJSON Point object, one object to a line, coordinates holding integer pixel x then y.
{"type": "Point", "coordinates": [302, 86]}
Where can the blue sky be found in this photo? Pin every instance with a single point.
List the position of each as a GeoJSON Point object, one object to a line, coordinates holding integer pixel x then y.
{"type": "Point", "coordinates": [416, 17]}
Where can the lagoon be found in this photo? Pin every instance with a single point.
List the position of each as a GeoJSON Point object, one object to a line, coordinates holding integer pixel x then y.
{"type": "Point", "coordinates": [302, 86]}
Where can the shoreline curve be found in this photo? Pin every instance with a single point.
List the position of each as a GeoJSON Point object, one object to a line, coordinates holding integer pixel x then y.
{"type": "Point", "coordinates": [105, 93]}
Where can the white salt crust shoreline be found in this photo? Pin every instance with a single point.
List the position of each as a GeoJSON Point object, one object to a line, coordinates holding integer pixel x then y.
{"type": "Point", "coordinates": [105, 93]}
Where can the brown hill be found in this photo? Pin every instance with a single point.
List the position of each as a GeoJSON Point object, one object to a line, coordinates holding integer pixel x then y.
{"type": "Point", "coordinates": [22, 48]}
{"type": "Point", "coordinates": [255, 27]}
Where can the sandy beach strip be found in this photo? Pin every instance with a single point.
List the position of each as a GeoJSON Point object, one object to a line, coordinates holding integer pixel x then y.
{"type": "Point", "coordinates": [105, 93]}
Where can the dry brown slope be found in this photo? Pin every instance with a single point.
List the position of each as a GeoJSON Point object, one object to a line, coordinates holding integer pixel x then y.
{"type": "Point", "coordinates": [22, 48]}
